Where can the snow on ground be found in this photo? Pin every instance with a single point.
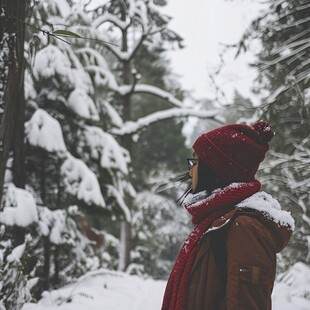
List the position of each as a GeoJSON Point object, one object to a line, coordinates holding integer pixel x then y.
{"type": "Point", "coordinates": [104, 290]}
{"type": "Point", "coordinates": [111, 290]}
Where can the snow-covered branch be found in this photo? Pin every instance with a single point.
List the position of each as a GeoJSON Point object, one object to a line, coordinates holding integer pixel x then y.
{"type": "Point", "coordinates": [136, 47]}
{"type": "Point", "coordinates": [19, 207]}
{"type": "Point", "coordinates": [149, 89]}
{"type": "Point", "coordinates": [295, 24]}
{"type": "Point", "coordinates": [103, 77]}
{"type": "Point", "coordinates": [121, 202]}
{"type": "Point", "coordinates": [288, 55]}
{"type": "Point", "coordinates": [107, 17]}
{"type": "Point", "coordinates": [91, 56]}
{"type": "Point", "coordinates": [81, 182]}
{"type": "Point", "coordinates": [44, 131]}
{"type": "Point", "coordinates": [132, 127]}
{"type": "Point", "coordinates": [281, 89]}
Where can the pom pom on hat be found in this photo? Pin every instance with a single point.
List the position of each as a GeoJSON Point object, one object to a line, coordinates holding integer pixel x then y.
{"type": "Point", "coordinates": [234, 152]}
{"type": "Point", "coordinates": [264, 130]}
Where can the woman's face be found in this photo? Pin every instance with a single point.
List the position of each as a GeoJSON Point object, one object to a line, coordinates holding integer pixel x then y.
{"type": "Point", "coordinates": [193, 173]}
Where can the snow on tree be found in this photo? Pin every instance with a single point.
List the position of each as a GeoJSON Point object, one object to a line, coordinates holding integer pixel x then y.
{"type": "Point", "coordinates": [43, 131]}
{"type": "Point", "coordinates": [79, 99]}
{"type": "Point", "coordinates": [156, 242]}
{"type": "Point", "coordinates": [283, 83]}
{"type": "Point", "coordinates": [104, 147]}
{"type": "Point", "coordinates": [130, 26]}
{"type": "Point", "coordinates": [82, 105]}
{"type": "Point", "coordinates": [70, 158]}
{"type": "Point", "coordinates": [19, 207]}
{"type": "Point", "coordinates": [81, 182]}
{"type": "Point", "coordinates": [15, 288]}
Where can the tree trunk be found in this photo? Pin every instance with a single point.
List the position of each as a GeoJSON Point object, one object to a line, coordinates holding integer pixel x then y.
{"type": "Point", "coordinates": [19, 171]}
{"type": "Point", "coordinates": [125, 232]}
{"type": "Point", "coordinates": [12, 13]}
{"type": "Point", "coordinates": [46, 241]}
{"type": "Point", "coordinates": [125, 246]}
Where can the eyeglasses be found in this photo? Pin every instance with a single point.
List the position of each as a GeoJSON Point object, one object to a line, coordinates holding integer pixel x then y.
{"type": "Point", "coordinates": [191, 162]}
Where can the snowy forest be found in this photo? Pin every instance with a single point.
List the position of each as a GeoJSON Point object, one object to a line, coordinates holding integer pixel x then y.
{"type": "Point", "coordinates": [92, 143]}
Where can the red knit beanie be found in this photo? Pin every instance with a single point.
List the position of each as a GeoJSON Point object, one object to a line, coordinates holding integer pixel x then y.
{"type": "Point", "coordinates": [234, 152]}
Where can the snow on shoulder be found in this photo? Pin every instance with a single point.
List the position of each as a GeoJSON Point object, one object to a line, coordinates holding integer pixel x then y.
{"type": "Point", "coordinates": [268, 205]}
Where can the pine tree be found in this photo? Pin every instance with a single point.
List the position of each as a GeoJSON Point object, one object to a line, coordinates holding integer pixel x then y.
{"type": "Point", "coordinates": [283, 63]}
{"type": "Point", "coordinates": [136, 27]}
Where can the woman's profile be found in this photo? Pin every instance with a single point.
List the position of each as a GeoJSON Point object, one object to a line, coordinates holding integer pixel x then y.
{"type": "Point", "coordinates": [229, 260]}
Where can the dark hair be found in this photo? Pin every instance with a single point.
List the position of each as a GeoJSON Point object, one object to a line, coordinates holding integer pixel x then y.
{"type": "Point", "coordinates": [207, 181]}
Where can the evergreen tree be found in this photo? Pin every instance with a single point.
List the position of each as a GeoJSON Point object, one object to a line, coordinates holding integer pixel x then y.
{"type": "Point", "coordinates": [283, 63]}
{"type": "Point", "coordinates": [137, 27]}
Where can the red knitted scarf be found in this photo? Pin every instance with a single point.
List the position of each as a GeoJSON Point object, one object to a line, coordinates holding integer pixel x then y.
{"type": "Point", "coordinates": [203, 213]}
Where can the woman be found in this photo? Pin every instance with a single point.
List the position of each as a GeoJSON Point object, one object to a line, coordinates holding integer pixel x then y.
{"type": "Point", "coordinates": [229, 259]}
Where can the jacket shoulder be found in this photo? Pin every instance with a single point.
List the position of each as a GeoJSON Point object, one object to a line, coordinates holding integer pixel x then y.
{"type": "Point", "coordinates": [260, 223]}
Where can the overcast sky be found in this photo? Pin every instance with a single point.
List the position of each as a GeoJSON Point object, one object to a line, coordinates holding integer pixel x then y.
{"type": "Point", "coordinates": [205, 25]}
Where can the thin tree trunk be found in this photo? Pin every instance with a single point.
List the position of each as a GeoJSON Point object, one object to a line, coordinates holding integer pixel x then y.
{"type": "Point", "coordinates": [12, 79]}
{"type": "Point", "coordinates": [19, 170]}
{"type": "Point", "coordinates": [46, 241]}
{"type": "Point", "coordinates": [125, 232]}
{"type": "Point", "coordinates": [125, 246]}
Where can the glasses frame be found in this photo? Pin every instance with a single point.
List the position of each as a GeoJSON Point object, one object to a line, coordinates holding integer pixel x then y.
{"type": "Point", "coordinates": [191, 162]}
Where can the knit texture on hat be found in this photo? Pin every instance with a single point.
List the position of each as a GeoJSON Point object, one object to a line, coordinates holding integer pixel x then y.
{"type": "Point", "coordinates": [234, 152]}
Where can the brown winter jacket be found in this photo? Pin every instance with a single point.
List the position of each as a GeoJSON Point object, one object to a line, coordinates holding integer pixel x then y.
{"type": "Point", "coordinates": [236, 263]}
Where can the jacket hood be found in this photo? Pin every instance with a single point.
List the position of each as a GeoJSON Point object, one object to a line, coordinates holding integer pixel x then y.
{"type": "Point", "coordinates": [280, 222]}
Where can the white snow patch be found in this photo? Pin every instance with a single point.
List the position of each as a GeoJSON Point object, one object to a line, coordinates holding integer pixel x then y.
{"type": "Point", "coordinates": [53, 224]}
{"type": "Point", "coordinates": [63, 6]}
{"type": "Point", "coordinates": [81, 182]}
{"type": "Point", "coordinates": [82, 104]}
{"type": "Point", "coordinates": [292, 289]}
{"type": "Point", "coordinates": [17, 253]}
{"type": "Point", "coordinates": [111, 290]}
{"type": "Point", "coordinates": [105, 147]}
{"type": "Point", "coordinates": [44, 131]}
{"type": "Point", "coordinates": [217, 227]}
{"type": "Point", "coordinates": [50, 61]}
{"type": "Point", "coordinates": [268, 205]}
{"type": "Point", "coordinates": [104, 289]}
{"type": "Point", "coordinates": [19, 207]}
